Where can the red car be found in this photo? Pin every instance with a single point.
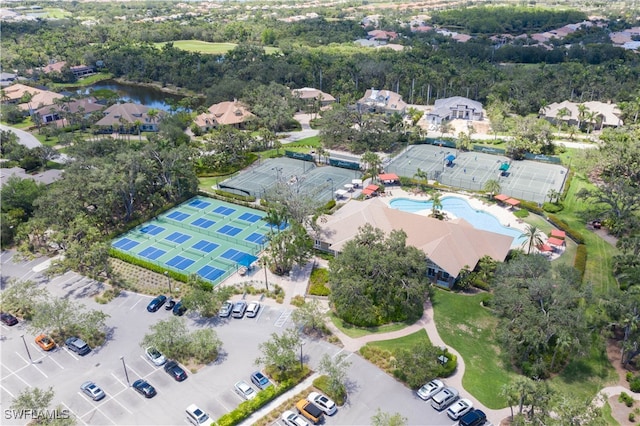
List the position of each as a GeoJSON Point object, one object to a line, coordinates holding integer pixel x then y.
{"type": "Point", "coordinates": [8, 319]}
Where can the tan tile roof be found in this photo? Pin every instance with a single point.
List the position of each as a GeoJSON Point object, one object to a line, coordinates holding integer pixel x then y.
{"type": "Point", "coordinates": [16, 91]}
{"type": "Point", "coordinates": [129, 112]}
{"type": "Point", "coordinates": [609, 111]}
{"type": "Point", "coordinates": [451, 245]}
{"type": "Point", "coordinates": [230, 112]}
{"type": "Point", "coordinates": [56, 66]}
{"type": "Point", "coordinates": [311, 93]}
{"type": "Point", "coordinates": [40, 99]}
{"type": "Point", "coordinates": [384, 99]}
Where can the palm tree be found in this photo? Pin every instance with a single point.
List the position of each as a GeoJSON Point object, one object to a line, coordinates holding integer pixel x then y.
{"type": "Point", "coordinates": [421, 174]}
{"type": "Point", "coordinates": [436, 205]}
{"type": "Point", "coordinates": [533, 237]}
{"type": "Point", "coordinates": [492, 186]}
{"type": "Point", "coordinates": [153, 115]}
{"type": "Point", "coordinates": [561, 114]}
{"type": "Point", "coordinates": [372, 163]}
{"type": "Point", "coordinates": [321, 153]}
{"type": "Point", "coordinates": [582, 113]}
{"type": "Point", "coordinates": [553, 195]}
{"type": "Point", "coordinates": [138, 124]}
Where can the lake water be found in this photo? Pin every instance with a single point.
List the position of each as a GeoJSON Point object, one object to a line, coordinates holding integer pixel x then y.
{"type": "Point", "coordinates": [148, 96]}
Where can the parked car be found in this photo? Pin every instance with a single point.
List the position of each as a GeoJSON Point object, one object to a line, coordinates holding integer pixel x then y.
{"type": "Point", "coordinates": [459, 408]}
{"type": "Point", "coordinates": [174, 370]}
{"type": "Point", "coordinates": [292, 419]}
{"type": "Point", "coordinates": [239, 308]}
{"type": "Point", "coordinates": [156, 303]}
{"type": "Point", "coordinates": [473, 418]}
{"type": "Point", "coordinates": [144, 388]}
{"type": "Point", "coordinates": [196, 416]}
{"type": "Point", "coordinates": [92, 390]}
{"type": "Point", "coordinates": [324, 403]}
{"type": "Point", "coordinates": [8, 319]}
{"type": "Point", "coordinates": [45, 342]}
{"type": "Point", "coordinates": [77, 345]}
{"type": "Point", "coordinates": [169, 304]}
{"type": "Point", "coordinates": [155, 356]}
{"type": "Point", "coordinates": [310, 410]}
{"type": "Point", "coordinates": [253, 309]}
{"type": "Point", "coordinates": [226, 309]}
{"type": "Point", "coordinates": [179, 309]}
{"type": "Point", "coordinates": [244, 390]}
{"type": "Point", "coordinates": [430, 389]}
{"type": "Point", "coordinates": [444, 398]}
{"type": "Point", "coordinates": [260, 380]}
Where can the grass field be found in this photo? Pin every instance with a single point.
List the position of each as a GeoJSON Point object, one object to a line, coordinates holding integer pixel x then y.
{"type": "Point", "coordinates": [355, 332]}
{"type": "Point", "coordinates": [405, 342]}
{"type": "Point", "coordinates": [209, 48]}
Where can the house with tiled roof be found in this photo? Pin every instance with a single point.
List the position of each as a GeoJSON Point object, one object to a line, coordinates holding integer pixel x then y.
{"type": "Point", "coordinates": [309, 95]}
{"type": "Point", "coordinates": [606, 113]}
{"type": "Point", "coordinates": [122, 118]}
{"type": "Point", "coordinates": [224, 114]}
{"type": "Point", "coordinates": [449, 246]}
{"type": "Point", "coordinates": [381, 101]}
{"type": "Point", "coordinates": [52, 113]}
{"type": "Point", "coordinates": [29, 98]}
{"type": "Point", "coordinates": [46, 177]}
{"type": "Point", "coordinates": [456, 107]}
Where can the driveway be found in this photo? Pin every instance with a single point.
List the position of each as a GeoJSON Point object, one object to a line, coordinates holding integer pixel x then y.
{"type": "Point", "coordinates": [24, 138]}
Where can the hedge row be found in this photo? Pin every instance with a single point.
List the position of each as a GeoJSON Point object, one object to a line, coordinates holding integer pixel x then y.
{"type": "Point", "coordinates": [571, 233]}
{"type": "Point", "coordinates": [532, 207]}
{"type": "Point", "coordinates": [567, 185]}
{"type": "Point", "coordinates": [245, 409]}
{"type": "Point", "coordinates": [242, 200]}
{"type": "Point", "coordinates": [147, 265]}
{"type": "Point", "coordinates": [580, 262]}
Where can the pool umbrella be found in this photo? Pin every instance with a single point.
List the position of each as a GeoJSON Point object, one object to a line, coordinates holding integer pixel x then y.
{"type": "Point", "coordinates": [450, 158]}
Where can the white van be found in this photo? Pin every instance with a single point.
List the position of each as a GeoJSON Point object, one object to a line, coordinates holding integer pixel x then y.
{"type": "Point", "coordinates": [196, 416]}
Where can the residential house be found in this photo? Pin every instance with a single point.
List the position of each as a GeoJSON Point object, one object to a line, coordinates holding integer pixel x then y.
{"type": "Point", "coordinates": [122, 118]}
{"type": "Point", "coordinates": [28, 98]}
{"type": "Point", "coordinates": [53, 113]}
{"type": "Point", "coordinates": [7, 78]}
{"type": "Point", "coordinates": [224, 113]}
{"type": "Point", "coordinates": [310, 96]}
{"type": "Point", "coordinates": [382, 36]}
{"type": "Point", "coordinates": [381, 101]}
{"type": "Point", "coordinates": [46, 177]}
{"type": "Point", "coordinates": [449, 246]}
{"type": "Point", "coordinates": [82, 70]}
{"type": "Point", "coordinates": [605, 114]}
{"type": "Point", "coordinates": [456, 107]}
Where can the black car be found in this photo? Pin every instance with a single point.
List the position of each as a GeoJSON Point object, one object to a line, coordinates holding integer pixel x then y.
{"type": "Point", "coordinates": [156, 303]}
{"type": "Point", "coordinates": [77, 345]}
{"type": "Point", "coordinates": [179, 309]}
{"type": "Point", "coordinates": [174, 370]}
{"type": "Point", "coordinates": [170, 304]}
{"type": "Point", "coordinates": [144, 388]}
{"type": "Point", "coordinates": [473, 418]}
{"type": "Point", "coordinates": [8, 319]}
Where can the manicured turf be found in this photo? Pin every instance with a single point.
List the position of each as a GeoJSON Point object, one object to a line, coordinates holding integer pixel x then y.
{"type": "Point", "coordinates": [209, 48]}
{"type": "Point", "coordinates": [406, 342]}
{"type": "Point", "coordinates": [356, 332]}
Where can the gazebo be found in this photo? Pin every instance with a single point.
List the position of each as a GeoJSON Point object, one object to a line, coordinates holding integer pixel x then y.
{"type": "Point", "coordinates": [501, 197]}
{"type": "Point", "coordinates": [555, 242]}
{"type": "Point", "coordinates": [371, 190]}
{"type": "Point", "coordinates": [388, 178]}
{"type": "Point", "coordinates": [512, 202]}
{"type": "Point", "coordinates": [556, 233]}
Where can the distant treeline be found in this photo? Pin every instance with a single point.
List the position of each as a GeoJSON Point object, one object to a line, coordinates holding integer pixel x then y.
{"type": "Point", "coordinates": [506, 20]}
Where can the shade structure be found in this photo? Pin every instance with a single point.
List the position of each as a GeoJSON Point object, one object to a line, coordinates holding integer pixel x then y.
{"type": "Point", "coordinates": [388, 177]}
{"type": "Point", "coordinates": [341, 192]}
{"type": "Point", "coordinates": [501, 197]}
{"type": "Point", "coordinates": [356, 182]}
{"type": "Point", "coordinates": [368, 191]}
{"type": "Point", "coordinates": [544, 247]}
{"type": "Point", "coordinates": [512, 201]}
{"type": "Point", "coordinates": [373, 187]}
{"type": "Point", "coordinates": [450, 157]}
{"type": "Point", "coordinates": [348, 186]}
{"type": "Point", "coordinates": [558, 233]}
{"type": "Point", "coordinates": [555, 241]}
{"type": "Point", "coordinates": [504, 167]}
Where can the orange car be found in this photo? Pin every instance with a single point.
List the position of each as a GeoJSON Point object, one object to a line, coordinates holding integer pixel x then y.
{"type": "Point", "coordinates": [45, 342]}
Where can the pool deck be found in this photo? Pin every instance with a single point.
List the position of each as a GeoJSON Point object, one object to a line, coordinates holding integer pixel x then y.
{"type": "Point", "coordinates": [504, 214]}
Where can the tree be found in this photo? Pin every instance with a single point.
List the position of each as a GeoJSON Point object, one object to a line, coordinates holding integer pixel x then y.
{"type": "Point", "coordinates": [533, 238]}
{"type": "Point", "coordinates": [309, 317]}
{"type": "Point", "coordinates": [22, 297]}
{"type": "Point", "coordinates": [64, 318]}
{"type": "Point", "coordinates": [554, 195]}
{"type": "Point", "coordinates": [372, 163]}
{"type": "Point", "coordinates": [280, 351]}
{"type": "Point", "coordinates": [287, 248]}
{"type": "Point", "coordinates": [272, 104]}
{"type": "Point", "coordinates": [36, 402]}
{"type": "Point", "coordinates": [418, 365]}
{"type": "Point", "coordinates": [201, 297]}
{"type": "Point", "coordinates": [336, 371]}
{"type": "Point", "coordinates": [387, 419]}
{"type": "Point", "coordinates": [436, 204]}
{"type": "Point", "coordinates": [376, 280]}
{"type": "Point", "coordinates": [445, 127]}
{"type": "Point", "coordinates": [492, 186]}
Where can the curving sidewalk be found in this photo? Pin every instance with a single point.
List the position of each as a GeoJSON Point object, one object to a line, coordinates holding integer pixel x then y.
{"type": "Point", "coordinates": [425, 322]}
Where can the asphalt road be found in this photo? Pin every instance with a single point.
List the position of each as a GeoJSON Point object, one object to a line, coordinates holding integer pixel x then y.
{"type": "Point", "coordinates": [211, 388]}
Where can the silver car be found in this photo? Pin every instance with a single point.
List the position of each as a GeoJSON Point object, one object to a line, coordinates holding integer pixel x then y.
{"type": "Point", "coordinates": [155, 356]}
{"type": "Point", "coordinates": [430, 389]}
{"type": "Point", "coordinates": [225, 310]}
{"type": "Point", "coordinates": [244, 390]}
{"type": "Point", "coordinates": [92, 390]}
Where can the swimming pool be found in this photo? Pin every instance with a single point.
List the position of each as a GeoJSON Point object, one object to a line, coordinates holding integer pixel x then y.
{"type": "Point", "coordinates": [459, 207]}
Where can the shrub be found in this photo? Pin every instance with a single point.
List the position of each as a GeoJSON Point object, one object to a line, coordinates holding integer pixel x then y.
{"type": "Point", "coordinates": [552, 207]}
{"type": "Point", "coordinates": [632, 417]}
{"type": "Point", "coordinates": [318, 282]}
{"type": "Point", "coordinates": [450, 366]}
{"type": "Point", "coordinates": [125, 257]}
{"type": "Point", "coordinates": [297, 301]}
{"type": "Point", "coordinates": [634, 385]}
{"type": "Point", "coordinates": [522, 213]}
{"type": "Point", "coordinates": [531, 206]}
{"type": "Point", "coordinates": [626, 399]}
{"type": "Point", "coordinates": [580, 262]}
{"type": "Point", "coordinates": [629, 376]}
{"type": "Point", "coordinates": [322, 383]}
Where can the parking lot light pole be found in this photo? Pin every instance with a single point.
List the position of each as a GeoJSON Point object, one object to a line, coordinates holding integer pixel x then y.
{"type": "Point", "coordinates": [27, 348]}
{"type": "Point", "coordinates": [264, 266]}
{"type": "Point", "coordinates": [331, 180]}
{"type": "Point", "coordinates": [302, 342]}
{"type": "Point", "coordinates": [166, 274]}
{"type": "Point", "coordinates": [126, 373]}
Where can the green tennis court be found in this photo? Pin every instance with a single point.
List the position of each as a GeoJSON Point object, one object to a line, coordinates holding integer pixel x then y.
{"type": "Point", "coordinates": [202, 236]}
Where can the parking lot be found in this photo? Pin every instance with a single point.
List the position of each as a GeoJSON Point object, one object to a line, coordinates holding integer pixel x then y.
{"type": "Point", "coordinates": [211, 388]}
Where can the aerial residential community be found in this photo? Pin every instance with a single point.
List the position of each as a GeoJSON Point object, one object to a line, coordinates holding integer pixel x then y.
{"type": "Point", "coordinates": [339, 212]}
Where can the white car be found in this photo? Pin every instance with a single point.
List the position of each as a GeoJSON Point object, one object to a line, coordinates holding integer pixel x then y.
{"type": "Point", "coordinates": [244, 390]}
{"type": "Point", "coordinates": [430, 389]}
{"type": "Point", "coordinates": [322, 402]}
{"type": "Point", "coordinates": [292, 419]}
{"type": "Point", "coordinates": [459, 408]}
{"type": "Point", "coordinates": [155, 356]}
{"type": "Point", "coordinates": [196, 416]}
{"type": "Point", "coordinates": [253, 309]}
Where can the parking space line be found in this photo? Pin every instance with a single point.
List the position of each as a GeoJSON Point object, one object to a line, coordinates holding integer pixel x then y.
{"type": "Point", "coordinates": [33, 364]}
{"type": "Point", "coordinates": [73, 412]}
{"type": "Point", "coordinates": [96, 407]}
{"type": "Point", "coordinates": [120, 404]}
{"type": "Point", "coordinates": [121, 382]}
{"type": "Point", "coordinates": [7, 391]}
{"type": "Point", "coordinates": [134, 371]}
{"type": "Point", "coordinates": [56, 362]}
{"type": "Point", "coordinates": [15, 372]}
{"type": "Point", "coordinates": [224, 406]}
{"type": "Point", "coordinates": [69, 352]}
{"type": "Point", "coordinates": [135, 304]}
{"type": "Point", "coordinates": [282, 319]}
{"type": "Point", "coordinates": [338, 353]}
{"type": "Point", "coordinates": [155, 367]}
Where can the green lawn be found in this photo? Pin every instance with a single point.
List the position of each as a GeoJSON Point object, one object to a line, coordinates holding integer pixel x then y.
{"type": "Point", "coordinates": [406, 342]}
{"type": "Point", "coordinates": [355, 332]}
{"type": "Point", "coordinates": [470, 329]}
{"type": "Point", "coordinates": [569, 255]}
{"type": "Point", "coordinates": [209, 48]}
{"type": "Point", "coordinates": [86, 81]}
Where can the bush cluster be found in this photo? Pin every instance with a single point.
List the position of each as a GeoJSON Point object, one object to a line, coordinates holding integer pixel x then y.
{"type": "Point", "coordinates": [552, 207]}
{"type": "Point", "coordinates": [318, 282]}
{"type": "Point", "coordinates": [245, 409]}
{"type": "Point", "coordinates": [580, 262]}
{"type": "Point", "coordinates": [571, 233]}
{"type": "Point", "coordinates": [626, 399]}
{"type": "Point", "coordinates": [125, 257]}
{"type": "Point", "coordinates": [532, 207]}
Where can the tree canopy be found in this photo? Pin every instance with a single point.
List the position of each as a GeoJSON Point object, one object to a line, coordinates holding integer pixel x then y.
{"type": "Point", "coordinates": [377, 279]}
